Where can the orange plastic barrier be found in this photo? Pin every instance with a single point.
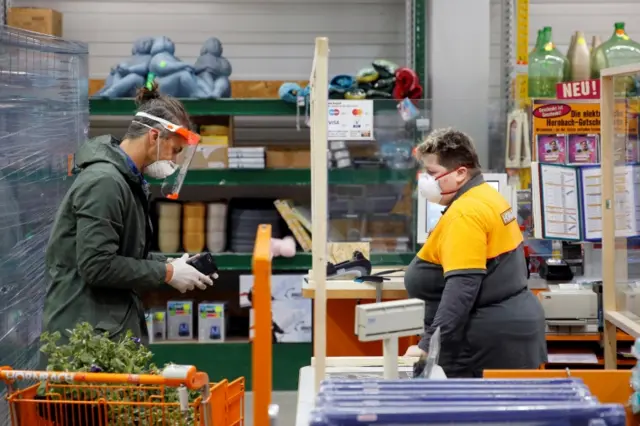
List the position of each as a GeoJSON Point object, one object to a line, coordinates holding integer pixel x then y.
{"type": "Point", "coordinates": [262, 344]}
{"type": "Point", "coordinates": [609, 386]}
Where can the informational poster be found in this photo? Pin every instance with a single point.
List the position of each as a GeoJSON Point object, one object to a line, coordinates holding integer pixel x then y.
{"type": "Point", "coordinates": [561, 205]}
{"type": "Point", "coordinates": [350, 120]}
{"type": "Point", "coordinates": [626, 183]}
{"type": "Point", "coordinates": [568, 132]}
{"type": "Point", "coordinates": [556, 202]}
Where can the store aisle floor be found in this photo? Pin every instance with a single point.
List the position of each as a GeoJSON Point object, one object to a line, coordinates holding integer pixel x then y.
{"type": "Point", "coordinates": [287, 401]}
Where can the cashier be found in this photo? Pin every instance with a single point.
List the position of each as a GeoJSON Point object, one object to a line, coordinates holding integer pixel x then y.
{"type": "Point", "coordinates": [471, 272]}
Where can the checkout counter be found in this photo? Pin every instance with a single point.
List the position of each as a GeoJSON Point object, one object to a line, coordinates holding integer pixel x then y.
{"type": "Point", "coordinates": [343, 295]}
{"type": "Point", "coordinates": [570, 308]}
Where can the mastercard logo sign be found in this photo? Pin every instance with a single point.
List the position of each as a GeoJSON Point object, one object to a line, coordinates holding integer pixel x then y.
{"type": "Point", "coordinates": [334, 111]}
{"type": "Point", "coordinates": [356, 111]}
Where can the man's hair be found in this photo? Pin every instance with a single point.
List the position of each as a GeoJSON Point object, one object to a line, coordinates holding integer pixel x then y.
{"type": "Point", "coordinates": [151, 101]}
{"type": "Point", "coordinates": [453, 148]}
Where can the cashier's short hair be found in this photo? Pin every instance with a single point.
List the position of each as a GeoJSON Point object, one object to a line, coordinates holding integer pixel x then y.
{"type": "Point", "coordinates": [453, 148]}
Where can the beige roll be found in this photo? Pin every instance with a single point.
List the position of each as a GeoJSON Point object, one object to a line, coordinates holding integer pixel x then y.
{"type": "Point", "coordinates": [216, 241]}
{"type": "Point", "coordinates": [169, 242]}
{"type": "Point", "coordinates": [168, 224]}
{"type": "Point", "coordinates": [193, 242]}
{"type": "Point", "coordinates": [170, 210]}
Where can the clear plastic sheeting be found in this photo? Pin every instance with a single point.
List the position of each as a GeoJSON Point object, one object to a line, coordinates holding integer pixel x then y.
{"type": "Point", "coordinates": [371, 144]}
{"type": "Point", "coordinates": [462, 402]}
{"type": "Point", "coordinates": [44, 116]}
{"type": "Point", "coordinates": [4, 8]}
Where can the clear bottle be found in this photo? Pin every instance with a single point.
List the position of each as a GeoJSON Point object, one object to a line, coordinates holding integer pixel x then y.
{"type": "Point", "coordinates": [617, 51]}
{"type": "Point", "coordinates": [547, 67]}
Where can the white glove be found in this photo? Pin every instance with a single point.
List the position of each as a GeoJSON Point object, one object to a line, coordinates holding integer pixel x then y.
{"type": "Point", "coordinates": [185, 277]}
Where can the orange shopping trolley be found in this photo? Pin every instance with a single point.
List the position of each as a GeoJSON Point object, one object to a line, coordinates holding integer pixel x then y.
{"type": "Point", "coordinates": [180, 395]}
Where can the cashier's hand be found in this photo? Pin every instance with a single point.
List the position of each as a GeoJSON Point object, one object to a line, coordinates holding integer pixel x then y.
{"type": "Point", "coordinates": [414, 351]}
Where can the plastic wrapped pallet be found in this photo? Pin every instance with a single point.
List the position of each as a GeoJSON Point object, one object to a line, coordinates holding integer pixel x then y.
{"type": "Point", "coordinates": [44, 116]}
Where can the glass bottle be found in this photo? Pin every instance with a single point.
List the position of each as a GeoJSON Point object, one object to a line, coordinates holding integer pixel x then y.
{"type": "Point", "coordinates": [579, 58]}
{"type": "Point", "coordinates": [547, 67]}
{"type": "Point", "coordinates": [595, 42]}
{"type": "Point", "coordinates": [617, 51]}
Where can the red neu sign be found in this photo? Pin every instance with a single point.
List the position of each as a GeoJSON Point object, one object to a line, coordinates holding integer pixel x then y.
{"type": "Point", "coordinates": [585, 89]}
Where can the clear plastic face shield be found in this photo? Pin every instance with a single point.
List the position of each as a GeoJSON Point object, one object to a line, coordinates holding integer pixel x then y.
{"type": "Point", "coordinates": [173, 183]}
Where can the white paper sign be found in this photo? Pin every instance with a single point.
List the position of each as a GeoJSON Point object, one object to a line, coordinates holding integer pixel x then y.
{"type": "Point", "coordinates": [350, 120]}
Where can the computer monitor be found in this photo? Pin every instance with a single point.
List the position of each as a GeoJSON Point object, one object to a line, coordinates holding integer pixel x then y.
{"type": "Point", "coordinates": [429, 213]}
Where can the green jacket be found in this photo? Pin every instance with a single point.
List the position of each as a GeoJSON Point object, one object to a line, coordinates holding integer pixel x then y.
{"type": "Point", "coordinates": [98, 253]}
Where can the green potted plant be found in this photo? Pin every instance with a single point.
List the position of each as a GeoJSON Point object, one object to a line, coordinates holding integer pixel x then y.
{"type": "Point", "coordinates": [88, 351]}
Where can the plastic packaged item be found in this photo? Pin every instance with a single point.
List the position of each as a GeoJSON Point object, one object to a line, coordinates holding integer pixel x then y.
{"type": "Point", "coordinates": [617, 51]}
{"type": "Point", "coordinates": [440, 397]}
{"type": "Point", "coordinates": [547, 67]}
{"type": "Point", "coordinates": [520, 415]}
{"type": "Point", "coordinates": [469, 384]}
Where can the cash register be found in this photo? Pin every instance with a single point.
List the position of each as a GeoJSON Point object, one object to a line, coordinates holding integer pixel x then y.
{"type": "Point", "coordinates": [569, 308]}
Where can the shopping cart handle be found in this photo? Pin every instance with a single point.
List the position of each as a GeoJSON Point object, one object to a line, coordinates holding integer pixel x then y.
{"type": "Point", "coordinates": [173, 375]}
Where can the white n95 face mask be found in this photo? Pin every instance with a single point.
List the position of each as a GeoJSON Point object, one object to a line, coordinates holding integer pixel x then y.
{"type": "Point", "coordinates": [160, 169]}
{"type": "Point", "coordinates": [429, 188]}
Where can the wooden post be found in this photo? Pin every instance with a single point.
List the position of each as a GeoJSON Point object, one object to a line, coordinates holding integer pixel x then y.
{"type": "Point", "coordinates": [262, 363]}
{"type": "Point", "coordinates": [614, 250]}
{"type": "Point", "coordinates": [320, 191]}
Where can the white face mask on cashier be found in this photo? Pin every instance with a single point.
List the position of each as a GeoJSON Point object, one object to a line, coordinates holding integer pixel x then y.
{"type": "Point", "coordinates": [159, 169]}
{"type": "Point", "coordinates": [429, 188]}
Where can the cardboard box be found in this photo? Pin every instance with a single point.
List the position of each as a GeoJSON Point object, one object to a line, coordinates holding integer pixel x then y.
{"type": "Point", "coordinates": [288, 159]}
{"type": "Point", "coordinates": [179, 320]}
{"type": "Point", "coordinates": [44, 21]}
{"type": "Point", "coordinates": [211, 153]}
{"type": "Point", "coordinates": [212, 322]}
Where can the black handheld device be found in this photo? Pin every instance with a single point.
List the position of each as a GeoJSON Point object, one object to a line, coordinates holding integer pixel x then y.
{"type": "Point", "coordinates": [205, 263]}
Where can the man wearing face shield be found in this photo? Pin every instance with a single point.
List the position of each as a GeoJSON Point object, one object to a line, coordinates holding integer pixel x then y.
{"type": "Point", "coordinates": [471, 271]}
{"type": "Point", "coordinates": [98, 253]}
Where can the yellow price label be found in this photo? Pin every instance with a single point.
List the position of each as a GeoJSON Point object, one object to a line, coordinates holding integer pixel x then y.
{"type": "Point", "coordinates": [522, 32]}
{"type": "Point", "coordinates": [521, 90]}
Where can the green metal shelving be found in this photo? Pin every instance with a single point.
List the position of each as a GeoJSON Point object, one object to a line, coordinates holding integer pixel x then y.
{"type": "Point", "coordinates": [301, 261]}
{"type": "Point", "coordinates": [200, 107]}
{"type": "Point", "coordinates": [294, 177]}
{"type": "Point", "coordinates": [209, 107]}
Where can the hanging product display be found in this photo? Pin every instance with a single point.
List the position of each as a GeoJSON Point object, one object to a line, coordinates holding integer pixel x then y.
{"type": "Point", "coordinates": [518, 149]}
{"type": "Point", "coordinates": [617, 51]}
{"type": "Point", "coordinates": [547, 67]}
{"type": "Point", "coordinates": [579, 58]}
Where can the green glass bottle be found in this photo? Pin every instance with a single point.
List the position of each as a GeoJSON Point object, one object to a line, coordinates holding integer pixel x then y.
{"type": "Point", "coordinates": [547, 67]}
{"type": "Point", "coordinates": [617, 51]}
{"type": "Point", "coordinates": [537, 45]}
